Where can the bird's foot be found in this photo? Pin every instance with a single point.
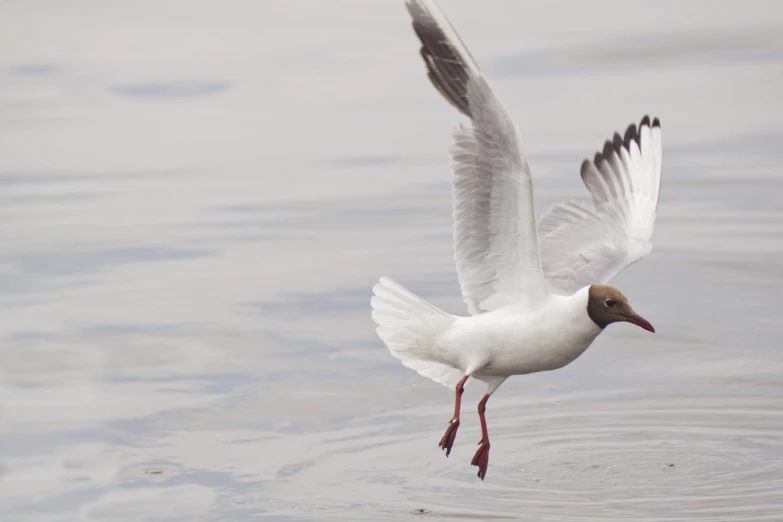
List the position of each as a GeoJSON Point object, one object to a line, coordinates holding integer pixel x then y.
{"type": "Point", "coordinates": [481, 458]}
{"type": "Point", "coordinates": [447, 441]}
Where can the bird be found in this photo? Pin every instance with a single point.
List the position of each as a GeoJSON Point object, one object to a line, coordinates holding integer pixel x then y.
{"type": "Point", "coordinates": [536, 291]}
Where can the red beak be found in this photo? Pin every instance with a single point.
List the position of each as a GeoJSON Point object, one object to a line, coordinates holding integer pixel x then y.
{"type": "Point", "coordinates": [638, 320]}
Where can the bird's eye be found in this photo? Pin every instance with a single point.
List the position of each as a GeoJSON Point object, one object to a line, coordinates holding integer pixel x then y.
{"type": "Point", "coordinates": [609, 302]}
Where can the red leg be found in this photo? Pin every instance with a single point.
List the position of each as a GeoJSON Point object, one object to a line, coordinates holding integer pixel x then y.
{"type": "Point", "coordinates": [447, 441]}
{"type": "Point", "coordinates": [481, 458]}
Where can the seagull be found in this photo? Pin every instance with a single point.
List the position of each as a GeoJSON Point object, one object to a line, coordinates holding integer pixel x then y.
{"type": "Point", "coordinates": [536, 292]}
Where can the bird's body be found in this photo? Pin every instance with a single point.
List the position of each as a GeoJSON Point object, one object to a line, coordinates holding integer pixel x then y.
{"type": "Point", "coordinates": [514, 340]}
{"type": "Point", "coordinates": [535, 291]}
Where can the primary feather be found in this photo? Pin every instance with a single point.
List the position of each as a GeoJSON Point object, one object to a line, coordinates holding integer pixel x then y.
{"type": "Point", "coordinates": [585, 243]}
{"type": "Point", "coordinates": [495, 235]}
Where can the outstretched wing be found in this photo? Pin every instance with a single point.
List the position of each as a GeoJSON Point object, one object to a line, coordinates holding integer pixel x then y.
{"type": "Point", "coordinates": [584, 243]}
{"type": "Point", "coordinates": [495, 236]}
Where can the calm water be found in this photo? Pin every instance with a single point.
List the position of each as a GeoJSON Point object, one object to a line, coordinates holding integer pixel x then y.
{"type": "Point", "coordinates": [195, 199]}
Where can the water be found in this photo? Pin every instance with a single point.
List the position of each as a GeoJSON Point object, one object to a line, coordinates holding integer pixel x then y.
{"type": "Point", "coordinates": [195, 201]}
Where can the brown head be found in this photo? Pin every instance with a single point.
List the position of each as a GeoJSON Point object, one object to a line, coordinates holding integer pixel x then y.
{"type": "Point", "coordinates": [607, 305]}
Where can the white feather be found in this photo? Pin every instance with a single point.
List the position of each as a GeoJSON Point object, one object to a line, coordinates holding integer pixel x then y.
{"type": "Point", "coordinates": [495, 236]}
{"type": "Point", "coordinates": [583, 243]}
{"type": "Point", "coordinates": [410, 326]}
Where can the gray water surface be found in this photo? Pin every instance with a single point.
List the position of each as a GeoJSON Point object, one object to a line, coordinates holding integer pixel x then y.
{"type": "Point", "coordinates": [196, 198]}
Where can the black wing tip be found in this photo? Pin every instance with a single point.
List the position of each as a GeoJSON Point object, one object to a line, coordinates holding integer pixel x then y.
{"type": "Point", "coordinates": [630, 135]}
{"type": "Point", "coordinates": [415, 8]}
{"type": "Point", "coordinates": [646, 121]}
{"type": "Point", "coordinates": [584, 168]}
{"type": "Point", "coordinates": [608, 149]}
{"type": "Point", "coordinates": [617, 141]}
{"type": "Point", "coordinates": [634, 133]}
{"type": "Point", "coordinates": [622, 141]}
{"type": "Point", "coordinates": [446, 68]}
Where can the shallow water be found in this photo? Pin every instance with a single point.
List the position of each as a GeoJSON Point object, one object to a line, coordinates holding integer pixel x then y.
{"type": "Point", "coordinates": [196, 200]}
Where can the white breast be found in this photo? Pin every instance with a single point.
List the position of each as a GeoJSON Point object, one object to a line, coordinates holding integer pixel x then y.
{"type": "Point", "coordinates": [514, 341]}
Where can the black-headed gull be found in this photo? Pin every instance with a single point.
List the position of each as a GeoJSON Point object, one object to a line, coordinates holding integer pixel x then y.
{"type": "Point", "coordinates": [535, 292]}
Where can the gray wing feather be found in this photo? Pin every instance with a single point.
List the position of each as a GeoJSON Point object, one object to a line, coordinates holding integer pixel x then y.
{"type": "Point", "coordinates": [584, 243]}
{"type": "Point", "coordinates": [495, 234]}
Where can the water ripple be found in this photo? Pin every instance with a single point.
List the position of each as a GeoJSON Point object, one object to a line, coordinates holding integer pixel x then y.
{"type": "Point", "coordinates": [584, 458]}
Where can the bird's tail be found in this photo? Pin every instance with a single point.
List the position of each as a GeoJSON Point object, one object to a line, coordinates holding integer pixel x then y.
{"type": "Point", "coordinates": [410, 326]}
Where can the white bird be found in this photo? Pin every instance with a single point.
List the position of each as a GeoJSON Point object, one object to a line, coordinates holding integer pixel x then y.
{"type": "Point", "coordinates": [535, 292]}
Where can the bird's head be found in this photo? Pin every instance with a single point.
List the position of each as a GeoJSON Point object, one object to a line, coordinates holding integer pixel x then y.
{"type": "Point", "coordinates": [607, 305]}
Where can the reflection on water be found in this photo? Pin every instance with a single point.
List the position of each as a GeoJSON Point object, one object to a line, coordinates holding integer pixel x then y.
{"type": "Point", "coordinates": [195, 202]}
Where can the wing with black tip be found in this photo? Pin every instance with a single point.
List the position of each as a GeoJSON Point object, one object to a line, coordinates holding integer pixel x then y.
{"type": "Point", "coordinates": [495, 235]}
{"type": "Point", "coordinates": [584, 243]}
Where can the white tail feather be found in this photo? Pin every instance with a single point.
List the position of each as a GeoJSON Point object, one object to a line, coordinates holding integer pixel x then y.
{"type": "Point", "coordinates": [410, 326]}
